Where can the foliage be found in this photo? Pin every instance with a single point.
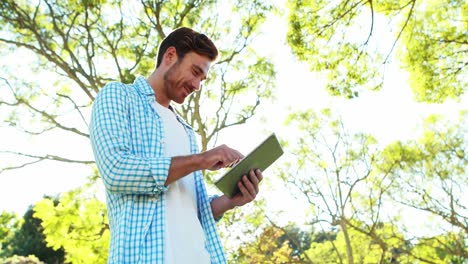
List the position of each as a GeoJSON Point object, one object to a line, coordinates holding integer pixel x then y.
{"type": "Point", "coordinates": [267, 248]}
{"type": "Point", "coordinates": [298, 239]}
{"type": "Point", "coordinates": [435, 50]}
{"type": "Point", "coordinates": [440, 249]}
{"type": "Point", "coordinates": [28, 240]}
{"type": "Point", "coordinates": [344, 40]}
{"type": "Point", "coordinates": [9, 225]}
{"type": "Point", "coordinates": [429, 174]}
{"type": "Point", "coordinates": [80, 46]}
{"type": "Point", "coordinates": [22, 260]}
{"type": "Point", "coordinates": [358, 189]}
{"type": "Point", "coordinates": [78, 224]}
{"type": "Point", "coordinates": [335, 172]}
{"type": "Point", "coordinates": [365, 248]}
{"type": "Point", "coordinates": [248, 222]}
{"type": "Point", "coordinates": [83, 45]}
{"type": "Point", "coordinates": [275, 244]}
{"type": "Point", "coordinates": [352, 186]}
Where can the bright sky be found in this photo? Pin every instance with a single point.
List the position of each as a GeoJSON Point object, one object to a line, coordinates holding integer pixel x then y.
{"type": "Point", "coordinates": [389, 114]}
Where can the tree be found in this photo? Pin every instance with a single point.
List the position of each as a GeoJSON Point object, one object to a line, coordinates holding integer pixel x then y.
{"type": "Point", "coordinates": [9, 225]}
{"type": "Point", "coordinates": [80, 46]}
{"type": "Point", "coordinates": [241, 226]}
{"type": "Point", "coordinates": [440, 249]}
{"type": "Point", "coordinates": [298, 239]}
{"type": "Point", "coordinates": [347, 41]}
{"type": "Point", "coordinates": [267, 248]}
{"type": "Point", "coordinates": [84, 44]}
{"type": "Point", "coordinates": [357, 189]}
{"type": "Point", "coordinates": [22, 260]}
{"type": "Point", "coordinates": [349, 182]}
{"type": "Point", "coordinates": [429, 175]}
{"type": "Point", "coordinates": [275, 244]}
{"type": "Point", "coordinates": [334, 171]}
{"type": "Point", "coordinates": [30, 240]}
{"type": "Point", "coordinates": [78, 223]}
{"type": "Point", "coordinates": [365, 248]}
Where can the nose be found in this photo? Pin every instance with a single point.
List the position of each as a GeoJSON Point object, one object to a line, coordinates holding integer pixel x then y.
{"type": "Point", "coordinates": [196, 84]}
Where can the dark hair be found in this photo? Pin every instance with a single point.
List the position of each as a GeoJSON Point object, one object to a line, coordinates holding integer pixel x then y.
{"type": "Point", "coordinates": [185, 40]}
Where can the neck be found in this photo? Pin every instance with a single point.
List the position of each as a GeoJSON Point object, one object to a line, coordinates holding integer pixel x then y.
{"type": "Point", "coordinates": [156, 81]}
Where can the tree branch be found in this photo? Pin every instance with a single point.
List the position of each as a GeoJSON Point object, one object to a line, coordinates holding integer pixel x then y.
{"type": "Point", "coordinates": [413, 3]}
{"type": "Point", "coordinates": [291, 238]}
{"type": "Point", "coordinates": [52, 118]}
{"type": "Point", "coordinates": [156, 11]}
{"type": "Point", "coordinates": [76, 107]}
{"type": "Point", "coordinates": [39, 159]}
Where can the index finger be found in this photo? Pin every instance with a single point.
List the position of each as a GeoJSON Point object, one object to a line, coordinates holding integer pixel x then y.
{"type": "Point", "coordinates": [240, 155]}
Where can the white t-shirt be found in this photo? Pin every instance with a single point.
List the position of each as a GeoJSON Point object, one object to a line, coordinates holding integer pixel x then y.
{"type": "Point", "coordinates": [184, 236]}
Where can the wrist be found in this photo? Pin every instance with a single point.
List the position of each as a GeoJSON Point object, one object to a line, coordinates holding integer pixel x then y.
{"type": "Point", "coordinates": [229, 204]}
{"type": "Point", "coordinates": [200, 161]}
{"type": "Point", "coordinates": [220, 205]}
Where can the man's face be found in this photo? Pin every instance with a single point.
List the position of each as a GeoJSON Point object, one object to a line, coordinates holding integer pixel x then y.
{"type": "Point", "coordinates": [185, 76]}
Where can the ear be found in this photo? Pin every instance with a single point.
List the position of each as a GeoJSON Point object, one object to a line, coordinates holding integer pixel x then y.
{"type": "Point", "coordinates": [170, 56]}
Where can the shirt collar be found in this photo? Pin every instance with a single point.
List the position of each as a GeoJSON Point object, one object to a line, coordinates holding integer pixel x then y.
{"type": "Point", "coordinates": [143, 87]}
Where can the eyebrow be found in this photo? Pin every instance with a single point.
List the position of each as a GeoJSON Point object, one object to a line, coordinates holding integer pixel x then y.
{"type": "Point", "coordinates": [200, 70]}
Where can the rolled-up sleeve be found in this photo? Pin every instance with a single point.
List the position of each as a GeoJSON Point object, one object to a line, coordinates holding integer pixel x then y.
{"type": "Point", "coordinates": [121, 170]}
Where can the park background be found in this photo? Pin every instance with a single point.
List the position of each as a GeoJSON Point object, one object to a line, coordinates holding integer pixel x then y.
{"type": "Point", "coordinates": [368, 98]}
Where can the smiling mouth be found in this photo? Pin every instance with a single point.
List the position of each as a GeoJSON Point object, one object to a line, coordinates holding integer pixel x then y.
{"type": "Point", "coordinates": [188, 90]}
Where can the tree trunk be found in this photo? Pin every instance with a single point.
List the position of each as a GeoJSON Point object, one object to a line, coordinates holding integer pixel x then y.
{"type": "Point", "coordinates": [349, 249]}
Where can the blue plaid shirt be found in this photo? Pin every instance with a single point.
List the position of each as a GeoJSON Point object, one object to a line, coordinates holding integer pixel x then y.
{"type": "Point", "coordinates": [127, 136]}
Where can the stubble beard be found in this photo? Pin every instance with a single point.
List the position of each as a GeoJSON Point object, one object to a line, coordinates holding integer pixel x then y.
{"type": "Point", "coordinates": [170, 84]}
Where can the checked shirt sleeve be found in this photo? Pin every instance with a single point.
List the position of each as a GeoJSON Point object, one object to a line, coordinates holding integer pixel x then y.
{"type": "Point", "coordinates": [121, 170]}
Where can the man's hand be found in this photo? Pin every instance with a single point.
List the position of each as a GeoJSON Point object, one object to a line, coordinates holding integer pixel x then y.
{"type": "Point", "coordinates": [220, 157]}
{"type": "Point", "coordinates": [248, 191]}
{"type": "Point", "coordinates": [248, 187]}
{"type": "Point", "coordinates": [213, 159]}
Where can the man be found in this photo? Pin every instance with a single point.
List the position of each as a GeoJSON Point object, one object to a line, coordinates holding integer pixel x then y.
{"type": "Point", "coordinates": [158, 207]}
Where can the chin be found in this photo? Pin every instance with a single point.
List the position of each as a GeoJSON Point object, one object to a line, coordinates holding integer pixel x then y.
{"type": "Point", "coordinates": [180, 101]}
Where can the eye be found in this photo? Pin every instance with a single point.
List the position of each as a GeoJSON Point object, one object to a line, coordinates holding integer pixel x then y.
{"type": "Point", "coordinates": [198, 73]}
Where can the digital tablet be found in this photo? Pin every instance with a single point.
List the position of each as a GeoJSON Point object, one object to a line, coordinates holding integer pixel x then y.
{"type": "Point", "coordinates": [260, 158]}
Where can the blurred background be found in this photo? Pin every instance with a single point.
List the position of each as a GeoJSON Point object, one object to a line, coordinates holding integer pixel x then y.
{"type": "Point", "coordinates": [368, 98]}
